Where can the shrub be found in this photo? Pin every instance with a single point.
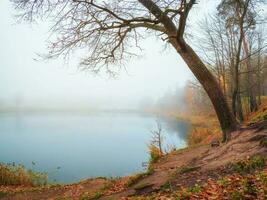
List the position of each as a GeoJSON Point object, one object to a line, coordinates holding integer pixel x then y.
{"type": "Point", "coordinates": [154, 153]}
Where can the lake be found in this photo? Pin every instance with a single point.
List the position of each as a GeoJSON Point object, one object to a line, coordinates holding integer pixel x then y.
{"type": "Point", "coordinates": [71, 147]}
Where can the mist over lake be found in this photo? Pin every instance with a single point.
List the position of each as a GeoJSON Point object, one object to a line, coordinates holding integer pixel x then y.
{"type": "Point", "coordinates": [71, 147]}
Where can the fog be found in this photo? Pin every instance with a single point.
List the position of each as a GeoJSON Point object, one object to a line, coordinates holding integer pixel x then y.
{"type": "Point", "coordinates": [27, 82]}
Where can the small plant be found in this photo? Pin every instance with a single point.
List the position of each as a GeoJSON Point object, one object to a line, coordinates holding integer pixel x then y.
{"type": "Point", "coordinates": [195, 189]}
{"type": "Point", "coordinates": [261, 177]}
{"type": "Point", "coordinates": [223, 182]}
{"type": "Point", "coordinates": [167, 186]}
{"type": "Point", "coordinates": [250, 188]}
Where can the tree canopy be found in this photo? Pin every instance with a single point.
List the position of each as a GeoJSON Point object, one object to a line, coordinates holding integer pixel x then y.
{"type": "Point", "coordinates": [107, 30]}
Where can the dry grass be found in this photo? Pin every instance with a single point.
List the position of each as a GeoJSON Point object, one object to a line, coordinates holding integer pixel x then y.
{"type": "Point", "coordinates": [259, 115]}
{"type": "Point", "coordinates": [204, 130]}
{"type": "Point", "coordinates": [18, 175]}
{"type": "Point", "coordinates": [205, 126]}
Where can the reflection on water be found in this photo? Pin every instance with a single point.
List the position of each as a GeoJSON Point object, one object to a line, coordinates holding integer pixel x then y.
{"type": "Point", "coordinates": [100, 144]}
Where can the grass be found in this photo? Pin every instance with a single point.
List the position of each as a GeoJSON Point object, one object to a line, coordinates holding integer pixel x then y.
{"type": "Point", "coordinates": [259, 115]}
{"type": "Point", "coordinates": [204, 129]}
{"type": "Point", "coordinates": [3, 194]}
{"type": "Point", "coordinates": [137, 177]}
{"type": "Point", "coordinates": [249, 165]}
{"type": "Point", "coordinates": [205, 126]}
{"type": "Point", "coordinates": [195, 189]}
{"type": "Point", "coordinates": [18, 175]}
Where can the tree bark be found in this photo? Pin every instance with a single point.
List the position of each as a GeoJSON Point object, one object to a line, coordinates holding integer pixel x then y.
{"type": "Point", "coordinates": [175, 35]}
{"type": "Point", "coordinates": [251, 90]}
{"type": "Point", "coordinates": [226, 118]}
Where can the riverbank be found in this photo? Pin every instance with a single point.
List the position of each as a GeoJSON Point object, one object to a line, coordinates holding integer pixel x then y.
{"type": "Point", "coordinates": [235, 170]}
{"type": "Point", "coordinates": [188, 172]}
{"type": "Point", "coordinates": [205, 126]}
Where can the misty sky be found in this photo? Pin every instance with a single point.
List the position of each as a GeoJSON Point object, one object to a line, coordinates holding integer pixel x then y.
{"type": "Point", "coordinates": [53, 83]}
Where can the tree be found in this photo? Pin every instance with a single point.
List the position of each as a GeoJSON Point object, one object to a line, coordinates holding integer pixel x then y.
{"type": "Point", "coordinates": [241, 16]}
{"type": "Point", "coordinates": [106, 29]}
{"type": "Point", "coordinates": [157, 138]}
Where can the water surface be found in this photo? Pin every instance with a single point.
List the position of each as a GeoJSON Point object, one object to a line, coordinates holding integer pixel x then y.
{"type": "Point", "coordinates": [83, 145]}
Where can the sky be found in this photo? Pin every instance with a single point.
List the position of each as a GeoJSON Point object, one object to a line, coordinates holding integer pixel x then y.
{"type": "Point", "coordinates": [53, 83]}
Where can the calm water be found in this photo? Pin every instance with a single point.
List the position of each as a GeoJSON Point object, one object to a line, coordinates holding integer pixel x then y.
{"type": "Point", "coordinates": [83, 146]}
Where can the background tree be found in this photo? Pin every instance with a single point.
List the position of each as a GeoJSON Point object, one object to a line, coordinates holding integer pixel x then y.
{"type": "Point", "coordinates": [106, 30]}
{"type": "Point", "coordinates": [224, 35]}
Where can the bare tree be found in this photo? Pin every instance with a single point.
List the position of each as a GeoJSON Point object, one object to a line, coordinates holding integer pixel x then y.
{"type": "Point", "coordinates": [107, 30]}
{"type": "Point", "coordinates": [157, 138]}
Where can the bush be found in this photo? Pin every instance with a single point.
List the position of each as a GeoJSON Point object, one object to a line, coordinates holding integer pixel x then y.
{"type": "Point", "coordinates": [154, 153]}
{"type": "Point", "coordinates": [18, 175]}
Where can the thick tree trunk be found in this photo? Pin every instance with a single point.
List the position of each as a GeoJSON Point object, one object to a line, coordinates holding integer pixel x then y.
{"type": "Point", "coordinates": [239, 107]}
{"type": "Point", "coordinates": [227, 120]}
{"type": "Point", "coordinates": [236, 98]}
{"type": "Point", "coordinates": [251, 89]}
{"type": "Point", "coordinates": [259, 79]}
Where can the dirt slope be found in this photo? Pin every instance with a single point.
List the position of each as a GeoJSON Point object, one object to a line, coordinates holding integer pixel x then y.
{"type": "Point", "coordinates": [203, 162]}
